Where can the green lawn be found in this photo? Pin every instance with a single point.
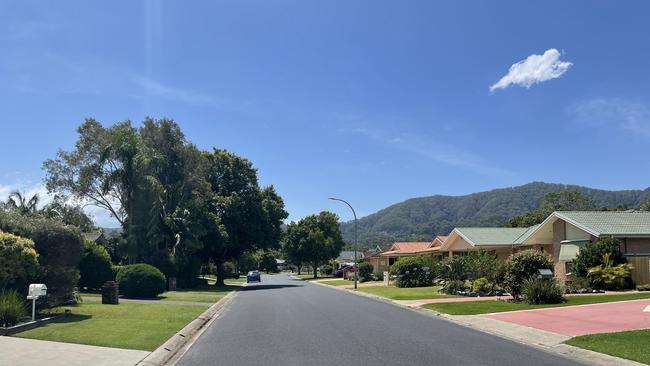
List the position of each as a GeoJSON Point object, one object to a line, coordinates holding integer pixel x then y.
{"type": "Point", "coordinates": [127, 325]}
{"type": "Point", "coordinates": [396, 293]}
{"type": "Point", "coordinates": [208, 294]}
{"type": "Point", "coordinates": [632, 345]}
{"type": "Point", "coordinates": [484, 307]}
{"type": "Point", "coordinates": [337, 282]}
{"type": "Point", "coordinates": [310, 277]}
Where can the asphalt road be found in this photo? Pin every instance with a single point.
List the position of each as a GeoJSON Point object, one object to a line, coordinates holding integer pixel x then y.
{"type": "Point", "coordinates": [290, 322]}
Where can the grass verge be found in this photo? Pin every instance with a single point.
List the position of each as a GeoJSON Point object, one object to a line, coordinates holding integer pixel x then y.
{"type": "Point", "coordinates": [485, 307]}
{"type": "Point", "coordinates": [412, 293]}
{"type": "Point", "coordinates": [127, 325]}
{"type": "Point", "coordinates": [337, 282]}
{"type": "Point", "coordinates": [632, 345]}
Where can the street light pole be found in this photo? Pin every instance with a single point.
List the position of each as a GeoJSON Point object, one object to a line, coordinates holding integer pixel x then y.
{"type": "Point", "coordinates": [356, 271]}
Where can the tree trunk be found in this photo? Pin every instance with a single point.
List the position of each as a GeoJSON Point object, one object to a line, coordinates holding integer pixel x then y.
{"type": "Point", "coordinates": [220, 274]}
{"type": "Point", "coordinates": [315, 270]}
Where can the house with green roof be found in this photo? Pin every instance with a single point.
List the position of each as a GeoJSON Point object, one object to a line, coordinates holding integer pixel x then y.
{"type": "Point", "coordinates": [568, 231]}
{"type": "Point", "coordinates": [562, 235]}
{"type": "Point", "coordinates": [503, 241]}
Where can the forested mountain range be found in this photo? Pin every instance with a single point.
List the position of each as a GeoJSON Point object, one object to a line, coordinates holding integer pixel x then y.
{"type": "Point", "coordinates": [424, 217]}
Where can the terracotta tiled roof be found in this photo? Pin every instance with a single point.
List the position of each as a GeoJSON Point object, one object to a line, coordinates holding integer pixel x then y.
{"type": "Point", "coordinates": [407, 248]}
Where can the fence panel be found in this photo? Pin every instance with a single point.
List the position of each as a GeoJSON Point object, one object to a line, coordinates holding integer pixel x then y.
{"type": "Point", "coordinates": [641, 271]}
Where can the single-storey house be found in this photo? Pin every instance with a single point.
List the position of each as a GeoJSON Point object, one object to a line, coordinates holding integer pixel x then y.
{"type": "Point", "coordinates": [373, 256]}
{"type": "Point", "coordinates": [346, 257]}
{"type": "Point", "coordinates": [433, 250]}
{"type": "Point", "coordinates": [404, 249]}
{"type": "Point", "coordinates": [565, 232]}
{"type": "Point", "coordinates": [502, 241]}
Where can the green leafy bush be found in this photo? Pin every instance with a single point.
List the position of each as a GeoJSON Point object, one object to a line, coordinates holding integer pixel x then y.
{"type": "Point", "coordinates": [522, 266]}
{"type": "Point", "coordinates": [12, 308]}
{"type": "Point", "coordinates": [541, 291]}
{"type": "Point", "coordinates": [326, 270]}
{"type": "Point", "coordinates": [59, 249]}
{"type": "Point", "coordinates": [365, 272]}
{"type": "Point", "coordinates": [95, 267]}
{"type": "Point", "coordinates": [472, 266]}
{"type": "Point", "coordinates": [141, 281]}
{"type": "Point", "coordinates": [610, 276]}
{"type": "Point", "coordinates": [591, 256]}
{"type": "Point", "coordinates": [452, 287]}
{"type": "Point", "coordinates": [578, 285]}
{"type": "Point", "coordinates": [413, 272]}
{"type": "Point", "coordinates": [18, 262]}
{"type": "Point", "coordinates": [482, 286]}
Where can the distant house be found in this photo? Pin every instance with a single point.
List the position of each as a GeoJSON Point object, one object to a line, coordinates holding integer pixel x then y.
{"type": "Point", "coordinates": [405, 249]}
{"type": "Point", "coordinates": [96, 237]}
{"type": "Point", "coordinates": [373, 256]}
{"type": "Point", "coordinates": [502, 241]}
{"type": "Point", "coordinates": [282, 264]}
{"type": "Point", "coordinates": [434, 250]}
{"type": "Point", "coordinates": [346, 257]}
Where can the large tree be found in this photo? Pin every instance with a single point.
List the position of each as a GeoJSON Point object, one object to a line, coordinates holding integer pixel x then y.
{"type": "Point", "coordinates": [314, 239]}
{"type": "Point", "coordinates": [239, 216]}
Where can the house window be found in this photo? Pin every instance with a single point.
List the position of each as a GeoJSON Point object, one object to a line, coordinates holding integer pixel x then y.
{"type": "Point", "coordinates": [567, 267]}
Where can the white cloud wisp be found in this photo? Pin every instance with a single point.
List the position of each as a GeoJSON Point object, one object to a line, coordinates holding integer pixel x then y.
{"type": "Point", "coordinates": [533, 70]}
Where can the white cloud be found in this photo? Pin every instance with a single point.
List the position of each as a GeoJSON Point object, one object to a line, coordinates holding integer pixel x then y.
{"type": "Point", "coordinates": [534, 69]}
{"type": "Point", "coordinates": [628, 115]}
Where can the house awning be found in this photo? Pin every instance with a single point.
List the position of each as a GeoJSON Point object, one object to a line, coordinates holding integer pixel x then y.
{"type": "Point", "coordinates": [569, 249]}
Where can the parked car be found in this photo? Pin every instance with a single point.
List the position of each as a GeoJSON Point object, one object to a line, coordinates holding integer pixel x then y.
{"type": "Point", "coordinates": [341, 271]}
{"type": "Point", "coordinates": [253, 276]}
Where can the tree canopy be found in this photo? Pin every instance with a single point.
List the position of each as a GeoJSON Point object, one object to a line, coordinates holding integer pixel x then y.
{"type": "Point", "coordinates": [314, 239]}
{"type": "Point", "coordinates": [179, 207]}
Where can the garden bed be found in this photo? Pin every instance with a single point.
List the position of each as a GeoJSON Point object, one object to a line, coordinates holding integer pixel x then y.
{"type": "Point", "coordinates": [28, 324]}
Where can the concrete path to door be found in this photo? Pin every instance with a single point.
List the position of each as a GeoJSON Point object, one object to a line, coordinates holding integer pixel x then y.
{"type": "Point", "coordinates": [31, 352]}
{"type": "Point", "coordinates": [583, 319]}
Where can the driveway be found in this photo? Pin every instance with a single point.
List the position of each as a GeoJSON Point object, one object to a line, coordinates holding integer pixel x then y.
{"type": "Point", "coordinates": [290, 322]}
{"type": "Point", "coordinates": [583, 319]}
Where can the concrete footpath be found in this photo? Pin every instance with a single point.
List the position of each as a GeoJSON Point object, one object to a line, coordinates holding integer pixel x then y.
{"type": "Point", "coordinates": [31, 352]}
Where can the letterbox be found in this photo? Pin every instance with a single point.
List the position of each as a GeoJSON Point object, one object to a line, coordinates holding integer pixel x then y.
{"type": "Point", "coordinates": [37, 289]}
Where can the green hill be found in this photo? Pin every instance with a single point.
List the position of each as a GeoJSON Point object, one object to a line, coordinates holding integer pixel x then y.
{"type": "Point", "coordinates": [423, 218]}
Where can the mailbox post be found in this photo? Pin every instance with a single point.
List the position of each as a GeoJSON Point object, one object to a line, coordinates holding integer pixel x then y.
{"type": "Point", "coordinates": [36, 290]}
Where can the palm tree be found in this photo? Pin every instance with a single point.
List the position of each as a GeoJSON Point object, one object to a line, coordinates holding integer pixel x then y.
{"type": "Point", "coordinates": [19, 201]}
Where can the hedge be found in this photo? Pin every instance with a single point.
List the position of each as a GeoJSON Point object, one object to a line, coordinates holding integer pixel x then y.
{"type": "Point", "coordinates": [59, 248]}
{"type": "Point", "coordinates": [95, 267]}
{"type": "Point", "coordinates": [18, 262]}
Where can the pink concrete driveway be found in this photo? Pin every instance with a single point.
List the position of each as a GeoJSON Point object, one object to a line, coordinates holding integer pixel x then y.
{"type": "Point", "coordinates": [583, 319]}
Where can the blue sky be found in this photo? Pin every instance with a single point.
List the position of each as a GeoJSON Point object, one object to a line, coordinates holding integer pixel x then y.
{"type": "Point", "coordinates": [371, 101]}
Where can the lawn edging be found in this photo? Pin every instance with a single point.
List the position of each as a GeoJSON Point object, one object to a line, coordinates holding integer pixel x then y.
{"type": "Point", "coordinates": [176, 346]}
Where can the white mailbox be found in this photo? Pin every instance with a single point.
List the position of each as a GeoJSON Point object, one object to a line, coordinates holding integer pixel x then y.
{"type": "Point", "coordinates": [37, 290]}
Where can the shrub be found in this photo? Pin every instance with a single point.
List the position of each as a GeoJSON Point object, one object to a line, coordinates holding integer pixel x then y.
{"type": "Point", "coordinates": [141, 280]}
{"type": "Point", "coordinates": [365, 272]}
{"type": "Point", "coordinates": [59, 250]}
{"type": "Point", "coordinates": [522, 266]}
{"type": "Point", "coordinates": [472, 266]}
{"type": "Point", "coordinates": [592, 255]}
{"type": "Point", "coordinates": [95, 267]}
{"type": "Point", "coordinates": [482, 286]}
{"type": "Point", "coordinates": [645, 287]}
{"type": "Point", "coordinates": [268, 263]}
{"type": "Point", "coordinates": [326, 270]}
{"type": "Point", "coordinates": [12, 308]}
{"type": "Point", "coordinates": [413, 272]}
{"type": "Point", "coordinates": [542, 291]}
{"type": "Point", "coordinates": [453, 287]}
{"type": "Point", "coordinates": [610, 276]}
{"type": "Point", "coordinates": [18, 262]}
{"type": "Point", "coordinates": [579, 285]}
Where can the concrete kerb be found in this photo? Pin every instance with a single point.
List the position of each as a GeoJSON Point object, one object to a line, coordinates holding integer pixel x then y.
{"type": "Point", "coordinates": [176, 346]}
{"type": "Point", "coordinates": [545, 341]}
